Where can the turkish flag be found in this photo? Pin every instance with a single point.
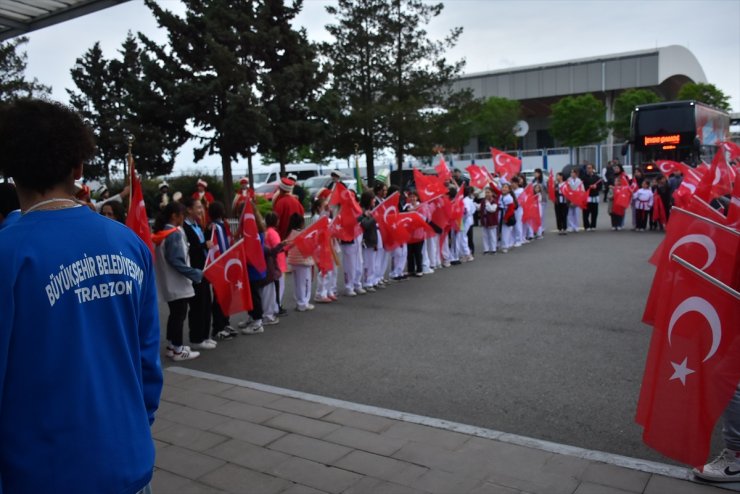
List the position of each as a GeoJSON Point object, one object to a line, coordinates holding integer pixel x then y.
{"type": "Point", "coordinates": [427, 186]}
{"type": "Point", "coordinates": [345, 226]}
{"type": "Point", "coordinates": [442, 171]}
{"type": "Point", "coordinates": [478, 178]}
{"type": "Point", "coordinates": [315, 242]}
{"type": "Point", "coordinates": [717, 180]}
{"type": "Point", "coordinates": [692, 368]}
{"type": "Point", "coordinates": [137, 219]}
{"type": "Point", "coordinates": [252, 244]}
{"type": "Point", "coordinates": [700, 207]}
{"type": "Point", "coordinates": [386, 215]}
{"type": "Point", "coordinates": [414, 224]}
{"type": "Point", "coordinates": [505, 164]}
{"type": "Point", "coordinates": [551, 186]}
{"type": "Point", "coordinates": [659, 214]}
{"type": "Point", "coordinates": [576, 197]}
{"type": "Point", "coordinates": [703, 243]}
{"type": "Point", "coordinates": [691, 177]}
{"type": "Point", "coordinates": [622, 199]}
{"type": "Point", "coordinates": [733, 151]}
{"type": "Point", "coordinates": [457, 209]}
{"type": "Point", "coordinates": [531, 208]}
{"type": "Point", "coordinates": [342, 197]}
{"type": "Point", "coordinates": [228, 275]}
{"type": "Point", "coordinates": [437, 211]}
{"type": "Point", "coordinates": [667, 167]}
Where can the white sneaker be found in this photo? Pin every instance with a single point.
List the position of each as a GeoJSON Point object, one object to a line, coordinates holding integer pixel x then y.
{"type": "Point", "coordinates": [350, 293]}
{"type": "Point", "coordinates": [360, 291]}
{"type": "Point", "coordinates": [724, 468]}
{"type": "Point", "coordinates": [205, 345]}
{"type": "Point", "coordinates": [368, 289]}
{"type": "Point", "coordinates": [171, 350]}
{"type": "Point", "coordinates": [254, 327]}
{"type": "Point", "coordinates": [518, 244]}
{"type": "Point", "coordinates": [304, 308]}
{"type": "Point", "coordinates": [245, 323]}
{"type": "Point", "coordinates": [270, 321]}
{"type": "Point", "coordinates": [185, 354]}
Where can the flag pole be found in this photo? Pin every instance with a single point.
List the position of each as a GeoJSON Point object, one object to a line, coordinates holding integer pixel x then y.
{"type": "Point", "coordinates": [714, 281]}
{"type": "Point", "coordinates": [702, 218]}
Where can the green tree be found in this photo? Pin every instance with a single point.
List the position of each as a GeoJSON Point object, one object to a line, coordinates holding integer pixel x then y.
{"type": "Point", "coordinates": [578, 120]}
{"type": "Point", "coordinates": [13, 82]}
{"type": "Point", "coordinates": [706, 93]}
{"type": "Point", "coordinates": [290, 82]}
{"type": "Point", "coordinates": [417, 79]}
{"type": "Point", "coordinates": [496, 121]}
{"type": "Point", "coordinates": [624, 104]}
{"type": "Point", "coordinates": [210, 68]}
{"type": "Point", "coordinates": [456, 123]}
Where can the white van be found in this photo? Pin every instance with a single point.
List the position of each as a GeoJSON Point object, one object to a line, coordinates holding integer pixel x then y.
{"type": "Point", "coordinates": [263, 174]}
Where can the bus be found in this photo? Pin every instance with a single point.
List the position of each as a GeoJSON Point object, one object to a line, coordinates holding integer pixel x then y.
{"type": "Point", "coordinates": [683, 131]}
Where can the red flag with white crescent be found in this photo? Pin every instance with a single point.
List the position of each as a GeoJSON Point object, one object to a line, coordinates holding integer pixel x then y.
{"type": "Point", "coordinates": [230, 280]}
{"type": "Point", "coordinates": [442, 171]}
{"type": "Point", "coordinates": [692, 369]}
{"type": "Point", "coordinates": [386, 216]}
{"type": "Point", "coordinates": [505, 164]}
{"type": "Point", "coordinates": [137, 219]}
{"type": "Point", "coordinates": [478, 178]}
{"type": "Point", "coordinates": [315, 242]}
{"type": "Point", "coordinates": [252, 244]}
{"type": "Point", "coordinates": [428, 186]}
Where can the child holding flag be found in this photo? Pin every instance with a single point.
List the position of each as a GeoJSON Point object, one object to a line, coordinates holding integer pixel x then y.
{"type": "Point", "coordinates": [300, 266]}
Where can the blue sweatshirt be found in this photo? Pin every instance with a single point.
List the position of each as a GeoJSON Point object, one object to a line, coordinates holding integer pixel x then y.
{"type": "Point", "coordinates": [80, 376]}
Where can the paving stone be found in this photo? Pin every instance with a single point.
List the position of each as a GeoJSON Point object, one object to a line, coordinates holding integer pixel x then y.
{"type": "Point", "coordinates": [425, 455]}
{"type": "Point", "coordinates": [315, 475]}
{"type": "Point", "coordinates": [246, 431]}
{"type": "Point", "coordinates": [488, 488]}
{"type": "Point", "coordinates": [377, 466]}
{"type": "Point", "coordinates": [301, 489]}
{"type": "Point", "coordinates": [188, 437]}
{"type": "Point", "coordinates": [662, 485]}
{"type": "Point", "coordinates": [166, 406]}
{"type": "Point", "coordinates": [614, 476]}
{"type": "Point", "coordinates": [163, 481]}
{"type": "Point", "coordinates": [196, 418]}
{"type": "Point", "coordinates": [186, 463]}
{"type": "Point", "coordinates": [589, 488]}
{"type": "Point", "coordinates": [159, 445]}
{"type": "Point", "coordinates": [245, 411]}
{"type": "Point", "coordinates": [201, 385]}
{"type": "Point", "coordinates": [174, 377]}
{"type": "Point", "coordinates": [564, 464]}
{"type": "Point", "coordinates": [237, 480]}
{"type": "Point", "coordinates": [427, 435]}
{"type": "Point", "coordinates": [365, 441]}
{"type": "Point", "coordinates": [310, 448]}
{"type": "Point", "coordinates": [536, 482]}
{"type": "Point", "coordinates": [376, 486]}
{"type": "Point", "coordinates": [247, 455]}
{"type": "Point", "coordinates": [192, 399]}
{"type": "Point", "coordinates": [301, 407]}
{"type": "Point", "coordinates": [249, 395]}
{"type": "Point", "coordinates": [408, 475]}
{"type": "Point", "coordinates": [301, 425]}
{"type": "Point", "coordinates": [161, 424]}
{"type": "Point", "coordinates": [439, 482]}
{"type": "Point", "coordinates": [358, 420]}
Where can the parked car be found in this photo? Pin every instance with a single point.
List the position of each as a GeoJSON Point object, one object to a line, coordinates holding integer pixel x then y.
{"type": "Point", "coordinates": [313, 185]}
{"type": "Point", "coordinates": [267, 190]}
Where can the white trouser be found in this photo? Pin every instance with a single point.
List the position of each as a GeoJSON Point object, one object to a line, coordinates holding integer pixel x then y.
{"type": "Point", "coordinates": [349, 263]}
{"type": "Point", "coordinates": [454, 245]}
{"type": "Point", "coordinates": [358, 262]}
{"type": "Point", "coordinates": [301, 284]}
{"type": "Point", "coordinates": [446, 254]}
{"type": "Point", "coordinates": [269, 302]}
{"type": "Point", "coordinates": [281, 292]}
{"type": "Point", "coordinates": [489, 239]}
{"type": "Point", "coordinates": [519, 226]}
{"type": "Point", "coordinates": [368, 266]}
{"type": "Point", "coordinates": [381, 264]}
{"type": "Point", "coordinates": [507, 234]}
{"type": "Point", "coordinates": [431, 246]}
{"type": "Point", "coordinates": [398, 261]}
{"type": "Point", "coordinates": [324, 283]}
{"type": "Point", "coordinates": [425, 262]}
{"type": "Point", "coordinates": [542, 220]}
{"type": "Point", "coordinates": [462, 237]}
{"type": "Point", "coordinates": [573, 218]}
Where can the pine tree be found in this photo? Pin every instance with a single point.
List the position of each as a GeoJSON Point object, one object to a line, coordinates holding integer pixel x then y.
{"type": "Point", "coordinates": [210, 69]}
{"type": "Point", "coordinates": [13, 82]}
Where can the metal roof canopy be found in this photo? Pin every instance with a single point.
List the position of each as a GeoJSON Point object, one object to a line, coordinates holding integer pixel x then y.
{"type": "Point", "coordinates": [18, 17]}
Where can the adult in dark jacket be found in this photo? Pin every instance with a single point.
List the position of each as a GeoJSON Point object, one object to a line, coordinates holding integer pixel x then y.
{"type": "Point", "coordinates": [592, 183]}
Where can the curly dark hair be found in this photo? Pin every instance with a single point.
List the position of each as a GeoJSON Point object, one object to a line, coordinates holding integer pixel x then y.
{"type": "Point", "coordinates": [41, 142]}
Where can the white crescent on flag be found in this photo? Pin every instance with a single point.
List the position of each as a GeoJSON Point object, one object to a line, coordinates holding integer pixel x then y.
{"type": "Point", "coordinates": [703, 240]}
{"type": "Point", "coordinates": [229, 264]}
{"type": "Point", "coordinates": [700, 305]}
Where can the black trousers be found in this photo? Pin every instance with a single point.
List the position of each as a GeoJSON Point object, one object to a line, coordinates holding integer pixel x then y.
{"type": "Point", "coordinates": [561, 215]}
{"type": "Point", "coordinates": [199, 315]}
{"type": "Point", "coordinates": [176, 320]}
{"type": "Point", "coordinates": [220, 321]}
{"type": "Point", "coordinates": [641, 218]}
{"type": "Point", "coordinates": [414, 257]}
{"type": "Point", "coordinates": [616, 220]}
{"type": "Point", "coordinates": [471, 245]}
{"type": "Point", "coordinates": [256, 312]}
{"type": "Point", "coordinates": [590, 214]}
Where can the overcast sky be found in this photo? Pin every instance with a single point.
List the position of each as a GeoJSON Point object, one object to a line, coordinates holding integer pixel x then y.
{"type": "Point", "coordinates": [497, 34]}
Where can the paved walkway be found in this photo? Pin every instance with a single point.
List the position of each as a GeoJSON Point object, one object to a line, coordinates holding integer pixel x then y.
{"type": "Point", "coordinates": [218, 434]}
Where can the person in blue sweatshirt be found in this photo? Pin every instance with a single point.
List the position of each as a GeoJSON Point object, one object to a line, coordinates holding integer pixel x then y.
{"type": "Point", "coordinates": [80, 376]}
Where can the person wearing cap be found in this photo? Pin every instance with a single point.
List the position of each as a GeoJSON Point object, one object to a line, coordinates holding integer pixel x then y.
{"type": "Point", "coordinates": [241, 197]}
{"type": "Point", "coordinates": [206, 198]}
{"type": "Point", "coordinates": [285, 205]}
{"type": "Point", "coordinates": [105, 197]}
{"type": "Point", "coordinates": [82, 194]}
{"type": "Point", "coordinates": [79, 333]}
{"type": "Point", "coordinates": [163, 199]}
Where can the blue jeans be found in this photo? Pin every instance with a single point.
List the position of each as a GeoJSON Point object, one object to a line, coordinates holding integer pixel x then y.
{"type": "Point", "coordinates": [731, 423]}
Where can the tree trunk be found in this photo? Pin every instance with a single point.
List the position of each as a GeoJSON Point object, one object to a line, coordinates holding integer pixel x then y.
{"type": "Point", "coordinates": [250, 175]}
{"type": "Point", "coordinates": [369, 161]}
{"type": "Point", "coordinates": [228, 182]}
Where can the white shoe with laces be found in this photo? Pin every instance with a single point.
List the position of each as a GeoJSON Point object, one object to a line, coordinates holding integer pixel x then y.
{"type": "Point", "coordinates": [724, 468]}
{"type": "Point", "coordinates": [185, 354]}
{"type": "Point", "coordinates": [205, 345]}
{"type": "Point", "coordinates": [171, 350]}
{"type": "Point", "coordinates": [254, 327]}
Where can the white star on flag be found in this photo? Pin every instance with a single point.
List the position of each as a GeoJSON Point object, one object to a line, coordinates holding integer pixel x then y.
{"type": "Point", "coordinates": [239, 285]}
{"type": "Point", "coordinates": [680, 371]}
